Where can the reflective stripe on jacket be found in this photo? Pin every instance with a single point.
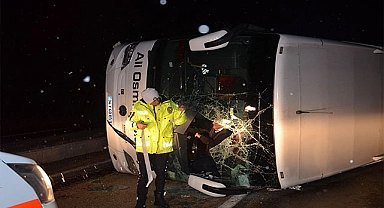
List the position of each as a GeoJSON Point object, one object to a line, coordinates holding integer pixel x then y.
{"type": "Point", "coordinates": [160, 120]}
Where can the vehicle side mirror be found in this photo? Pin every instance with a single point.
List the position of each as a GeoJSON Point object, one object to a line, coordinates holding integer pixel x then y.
{"type": "Point", "coordinates": [198, 44]}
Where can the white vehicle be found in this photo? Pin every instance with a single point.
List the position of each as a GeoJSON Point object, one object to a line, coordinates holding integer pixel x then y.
{"type": "Point", "coordinates": [23, 183]}
{"type": "Point", "coordinates": [301, 108]}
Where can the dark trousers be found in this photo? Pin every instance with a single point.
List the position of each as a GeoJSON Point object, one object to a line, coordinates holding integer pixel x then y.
{"type": "Point", "coordinates": [205, 163]}
{"type": "Point", "coordinates": [158, 164]}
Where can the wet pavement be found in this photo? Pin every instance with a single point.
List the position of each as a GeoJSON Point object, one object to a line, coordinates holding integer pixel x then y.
{"type": "Point", "coordinates": [90, 180]}
{"type": "Point", "coordinates": [362, 187]}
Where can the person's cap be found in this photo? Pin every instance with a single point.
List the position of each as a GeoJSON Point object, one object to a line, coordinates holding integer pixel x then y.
{"type": "Point", "coordinates": [149, 95]}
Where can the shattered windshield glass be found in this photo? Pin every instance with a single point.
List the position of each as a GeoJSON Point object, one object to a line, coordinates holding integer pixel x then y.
{"type": "Point", "coordinates": [234, 83]}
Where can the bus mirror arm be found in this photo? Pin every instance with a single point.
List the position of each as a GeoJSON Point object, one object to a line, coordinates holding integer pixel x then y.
{"type": "Point", "coordinates": [240, 29]}
{"type": "Point", "coordinates": [123, 136]}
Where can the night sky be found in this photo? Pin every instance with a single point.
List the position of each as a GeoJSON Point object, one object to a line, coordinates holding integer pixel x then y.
{"type": "Point", "coordinates": [54, 53]}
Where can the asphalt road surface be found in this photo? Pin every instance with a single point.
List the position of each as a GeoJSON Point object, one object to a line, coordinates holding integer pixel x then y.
{"type": "Point", "coordinates": [362, 187]}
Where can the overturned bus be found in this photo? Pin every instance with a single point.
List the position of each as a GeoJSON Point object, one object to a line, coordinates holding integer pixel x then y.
{"type": "Point", "coordinates": [300, 108]}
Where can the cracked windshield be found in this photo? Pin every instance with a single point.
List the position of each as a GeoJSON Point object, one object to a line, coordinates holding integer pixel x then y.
{"type": "Point", "coordinates": [233, 84]}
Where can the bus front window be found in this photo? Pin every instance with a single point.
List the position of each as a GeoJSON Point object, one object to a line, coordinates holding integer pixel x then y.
{"type": "Point", "coordinates": [234, 83]}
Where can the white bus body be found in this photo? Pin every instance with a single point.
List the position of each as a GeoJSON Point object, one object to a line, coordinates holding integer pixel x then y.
{"type": "Point", "coordinates": [326, 97]}
{"type": "Point", "coordinates": [328, 113]}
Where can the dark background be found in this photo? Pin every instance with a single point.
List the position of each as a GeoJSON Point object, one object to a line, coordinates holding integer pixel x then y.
{"type": "Point", "coordinates": [49, 48]}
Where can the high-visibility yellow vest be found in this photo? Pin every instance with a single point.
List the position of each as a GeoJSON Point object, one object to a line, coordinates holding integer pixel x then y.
{"type": "Point", "coordinates": [160, 120]}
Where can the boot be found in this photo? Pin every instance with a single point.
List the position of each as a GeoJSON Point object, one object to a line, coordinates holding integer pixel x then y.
{"type": "Point", "coordinates": [159, 199]}
{"type": "Point", "coordinates": [140, 201]}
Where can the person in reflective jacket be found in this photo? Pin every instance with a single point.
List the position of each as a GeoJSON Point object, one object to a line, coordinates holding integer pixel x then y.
{"type": "Point", "coordinates": [154, 117]}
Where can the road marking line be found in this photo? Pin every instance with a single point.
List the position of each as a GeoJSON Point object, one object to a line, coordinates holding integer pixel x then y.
{"type": "Point", "coordinates": [231, 202]}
